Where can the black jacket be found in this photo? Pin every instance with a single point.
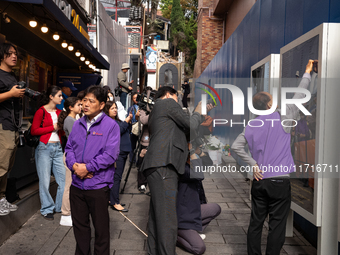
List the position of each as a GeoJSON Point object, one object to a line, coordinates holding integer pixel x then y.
{"type": "Point", "coordinates": [189, 198]}
{"type": "Point", "coordinates": [168, 127]}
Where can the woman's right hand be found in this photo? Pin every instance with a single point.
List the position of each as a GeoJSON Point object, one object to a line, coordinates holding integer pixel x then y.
{"type": "Point", "coordinates": [128, 118]}
{"type": "Point", "coordinates": [56, 127]}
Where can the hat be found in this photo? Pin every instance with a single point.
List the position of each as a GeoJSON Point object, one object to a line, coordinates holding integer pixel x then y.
{"type": "Point", "coordinates": [70, 85]}
{"type": "Point", "coordinates": [125, 66]}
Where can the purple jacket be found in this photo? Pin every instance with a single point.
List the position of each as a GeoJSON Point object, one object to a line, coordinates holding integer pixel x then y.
{"type": "Point", "coordinates": [98, 148]}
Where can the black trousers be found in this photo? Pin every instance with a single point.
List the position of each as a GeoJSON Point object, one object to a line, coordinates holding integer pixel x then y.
{"type": "Point", "coordinates": [141, 179]}
{"type": "Point", "coordinates": [162, 224]}
{"type": "Point", "coordinates": [114, 193]}
{"type": "Point", "coordinates": [189, 239]}
{"type": "Point", "coordinates": [94, 202]}
{"type": "Point", "coordinates": [273, 197]}
{"type": "Point", "coordinates": [133, 139]}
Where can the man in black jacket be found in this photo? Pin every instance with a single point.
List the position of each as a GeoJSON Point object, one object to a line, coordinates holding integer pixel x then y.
{"type": "Point", "coordinates": [165, 159]}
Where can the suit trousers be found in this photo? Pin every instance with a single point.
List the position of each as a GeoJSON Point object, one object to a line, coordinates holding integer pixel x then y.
{"type": "Point", "coordinates": [162, 224]}
{"type": "Point", "coordinates": [269, 196]}
{"type": "Point", "coordinates": [84, 203]}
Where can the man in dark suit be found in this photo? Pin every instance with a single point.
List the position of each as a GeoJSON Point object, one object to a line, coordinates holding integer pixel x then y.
{"type": "Point", "coordinates": [165, 159]}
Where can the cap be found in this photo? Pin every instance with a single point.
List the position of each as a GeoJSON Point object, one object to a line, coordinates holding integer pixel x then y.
{"type": "Point", "coordinates": [125, 66]}
{"type": "Point", "coordinates": [70, 85]}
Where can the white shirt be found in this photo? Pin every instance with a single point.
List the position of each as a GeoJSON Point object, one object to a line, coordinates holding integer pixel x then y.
{"type": "Point", "coordinates": [54, 136]}
{"type": "Point", "coordinates": [89, 123]}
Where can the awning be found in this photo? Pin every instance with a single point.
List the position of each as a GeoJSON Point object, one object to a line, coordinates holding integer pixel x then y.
{"type": "Point", "coordinates": [42, 45]}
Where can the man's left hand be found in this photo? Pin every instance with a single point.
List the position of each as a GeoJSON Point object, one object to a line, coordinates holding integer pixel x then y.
{"type": "Point", "coordinates": [81, 171]}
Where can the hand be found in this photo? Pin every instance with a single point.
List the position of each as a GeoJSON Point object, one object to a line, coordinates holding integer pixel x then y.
{"type": "Point", "coordinates": [75, 166]}
{"type": "Point", "coordinates": [199, 108]}
{"type": "Point", "coordinates": [81, 171]}
{"type": "Point", "coordinates": [130, 88]}
{"type": "Point", "coordinates": [15, 92]}
{"type": "Point", "coordinates": [131, 81]}
{"type": "Point", "coordinates": [309, 66]}
{"type": "Point", "coordinates": [210, 107]}
{"type": "Point", "coordinates": [257, 173]}
{"type": "Point", "coordinates": [56, 127]}
{"type": "Point", "coordinates": [128, 118]}
{"type": "Point", "coordinates": [89, 175]}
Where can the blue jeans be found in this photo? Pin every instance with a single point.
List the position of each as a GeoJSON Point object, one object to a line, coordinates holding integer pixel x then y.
{"type": "Point", "coordinates": [123, 97]}
{"type": "Point", "coordinates": [50, 157]}
{"type": "Point", "coordinates": [114, 193]}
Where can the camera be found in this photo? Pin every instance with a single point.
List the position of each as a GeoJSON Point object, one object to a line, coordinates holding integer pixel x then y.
{"type": "Point", "coordinates": [28, 92]}
{"type": "Point", "coordinates": [143, 101]}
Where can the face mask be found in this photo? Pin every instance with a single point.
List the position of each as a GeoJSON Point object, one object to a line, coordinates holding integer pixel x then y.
{"type": "Point", "coordinates": [111, 98]}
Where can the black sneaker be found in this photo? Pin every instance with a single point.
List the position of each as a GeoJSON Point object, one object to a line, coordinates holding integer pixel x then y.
{"type": "Point", "coordinates": [48, 216]}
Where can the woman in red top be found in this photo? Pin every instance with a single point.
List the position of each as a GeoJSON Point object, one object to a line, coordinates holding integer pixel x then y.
{"type": "Point", "coordinates": [48, 154]}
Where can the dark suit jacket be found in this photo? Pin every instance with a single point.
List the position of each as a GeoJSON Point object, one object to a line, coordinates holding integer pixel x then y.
{"type": "Point", "coordinates": [168, 126]}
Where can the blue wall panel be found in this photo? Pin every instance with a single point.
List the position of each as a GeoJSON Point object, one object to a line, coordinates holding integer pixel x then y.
{"type": "Point", "coordinates": [265, 28]}
{"type": "Point", "coordinates": [277, 22]}
{"type": "Point", "coordinates": [314, 14]}
{"type": "Point", "coordinates": [294, 20]}
{"type": "Point", "coordinates": [334, 11]}
{"type": "Point", "coordinates": [254, 32]}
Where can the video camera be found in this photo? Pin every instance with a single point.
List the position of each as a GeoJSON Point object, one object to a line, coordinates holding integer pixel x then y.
{"type": "Point", "coordinates": [28, 92]}
{"type": "Point", "coordinates": [143, 101]}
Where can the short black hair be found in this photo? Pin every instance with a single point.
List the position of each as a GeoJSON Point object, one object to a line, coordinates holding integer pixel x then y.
{"type": "Point", "coordinates": [162, 91]}
{"type": "Point", "coordinates": [260, 101]}
{"type": "Point", "coordinates": [4, 50]}
{"type": "Point", "coordinates": [98, 92]}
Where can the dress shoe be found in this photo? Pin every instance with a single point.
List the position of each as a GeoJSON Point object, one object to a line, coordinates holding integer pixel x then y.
{"type": "Point", "coordinates": [123, 210]}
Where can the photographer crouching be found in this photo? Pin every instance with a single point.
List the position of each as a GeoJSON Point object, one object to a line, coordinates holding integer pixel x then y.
{"type": "Point", "coordinates": [165, 159]}
{"type": "Point", "coordinates": [10, 108]}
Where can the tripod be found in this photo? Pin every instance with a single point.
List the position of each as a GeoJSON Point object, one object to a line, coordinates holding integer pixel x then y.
{"type": "Point", "coordinates": [136, 151]}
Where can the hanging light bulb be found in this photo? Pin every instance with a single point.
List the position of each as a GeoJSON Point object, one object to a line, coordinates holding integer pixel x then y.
{"type": "Point", "coordinates": [64, 44]}
{"type": "Point", "coordinates": [33, 23]}
{"type": "Point", "coordinates": [94, 67]}
{"type": "Point", "coordinates": [87, 62]}
{"type": "Point", "coordinates": [56, 36]}
{"type": "Point", "coordinates": [44, 28]}
{"type": "Point", "coordinates": [90, 65]}
{"type": "Point", "coordinates": [82, 58]}
{"type": "Point", "coordinates": [70, 47]}
{"type": "Point", "coordinates": [78, 53]}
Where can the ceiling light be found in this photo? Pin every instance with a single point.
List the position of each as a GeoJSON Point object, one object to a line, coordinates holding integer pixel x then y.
{"type": "Point", "coordinates": [64, 44]}
{"type": "Point", "coordinates": [70, 47]}
{"type": "Point", "coordinates": [56, 36]}
{"type": "Point", "coordinates": [44, 28]}
{"type": "Point", "coordinates": [78, 53]}
{"type": "Point", "coordinates": [90, 65]}
{"type": "Point", "coordinates": [87, 62]}
{"type": "Point", "coordinates": [33, 22]}
{"type": "Point", "coordinates": [94, 67]}
{"type": "Point", "coordinates": [82, 58]}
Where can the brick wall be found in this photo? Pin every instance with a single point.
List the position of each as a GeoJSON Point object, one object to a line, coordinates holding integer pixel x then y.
{"type": "Point", "coordinates": [209, 36]}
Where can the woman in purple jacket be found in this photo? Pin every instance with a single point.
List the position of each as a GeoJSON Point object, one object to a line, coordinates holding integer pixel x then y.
{"type": "Point", "coordinates": [91, 151]}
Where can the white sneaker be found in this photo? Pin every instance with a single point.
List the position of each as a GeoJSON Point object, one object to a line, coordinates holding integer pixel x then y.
{"type": "Point", "coordinates": [5, 204]}
{"type": "Point", "coordinates": [66, 221]}
{"type": "Point", "coordinates": [4, 211]}
{"type": "Point", "coordinates": [202, 236]}
{"type": "Point", "coordinates": [142, 188]}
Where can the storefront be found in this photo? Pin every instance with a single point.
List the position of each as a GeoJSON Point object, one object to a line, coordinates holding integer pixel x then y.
{"type": "Point", "coordinates": [52, 39]}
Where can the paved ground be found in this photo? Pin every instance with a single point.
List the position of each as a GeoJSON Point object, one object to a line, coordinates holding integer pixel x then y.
{"type": "Point", "coordinates": [224, 235]}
